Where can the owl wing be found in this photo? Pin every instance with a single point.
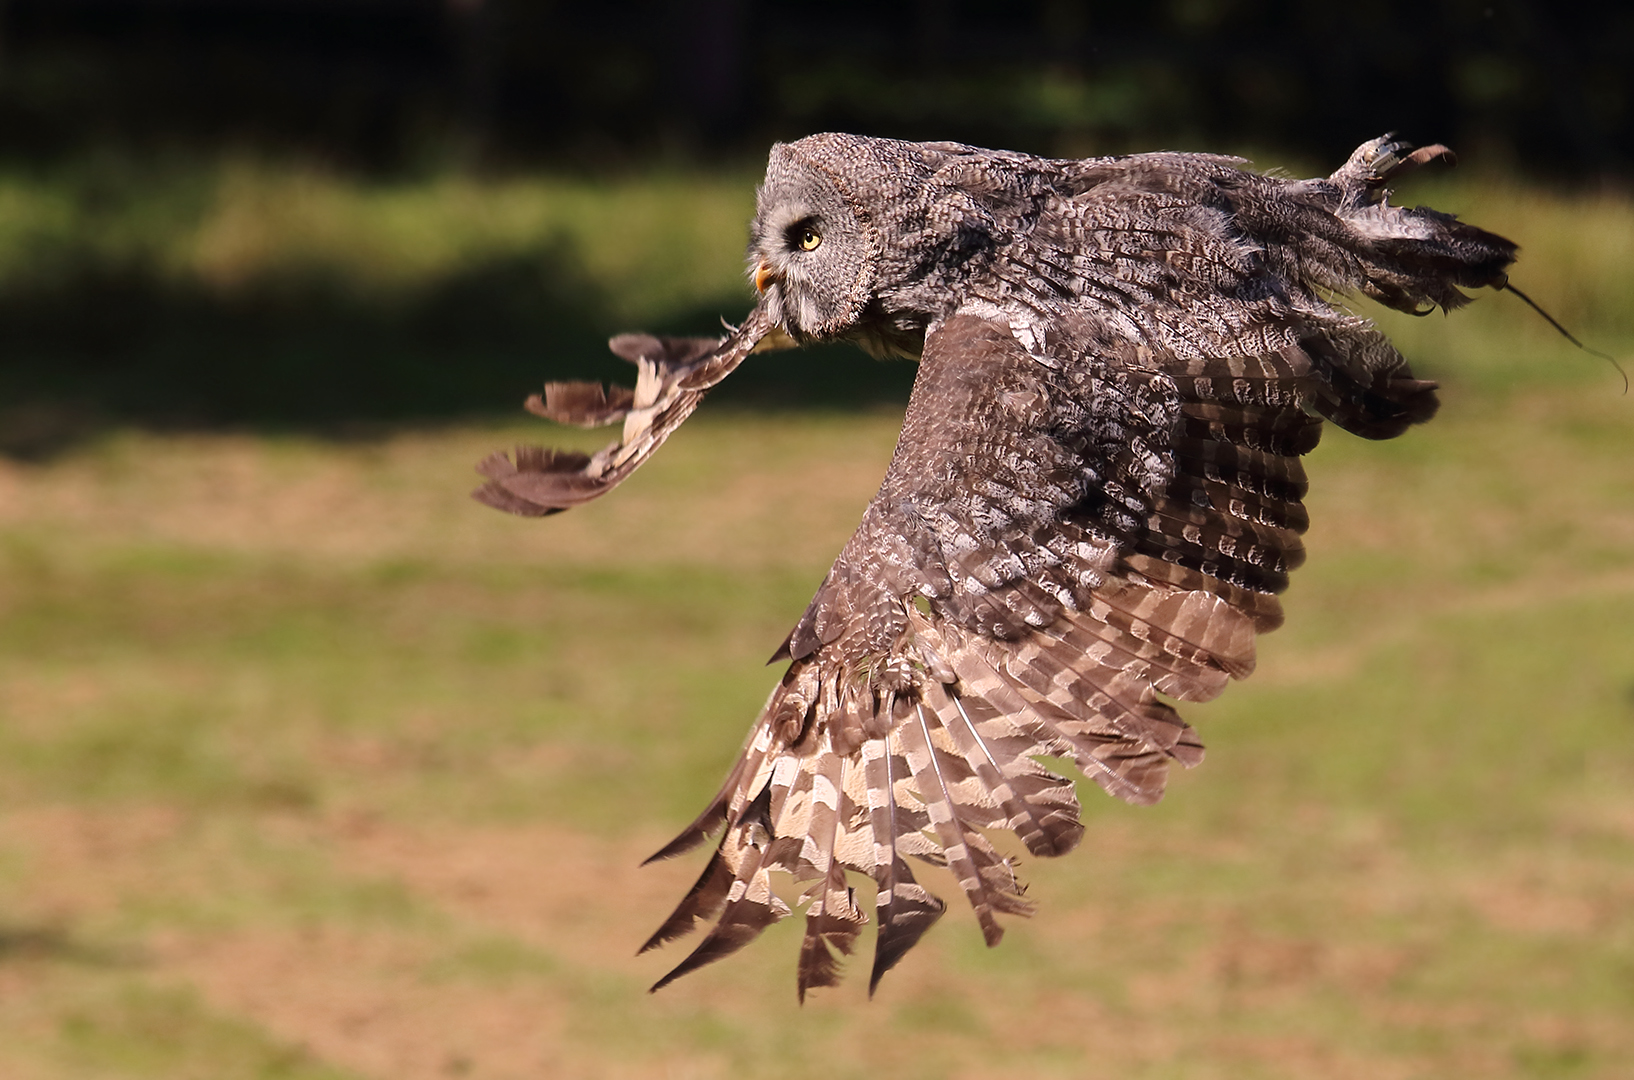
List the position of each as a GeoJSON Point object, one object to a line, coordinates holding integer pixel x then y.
{"type": "Point", "coordinates": [1015, 591]}
{"type": "Point", "coordinates": [1094, 501]}
{"type": "Point", "coordinates": [672, 377]}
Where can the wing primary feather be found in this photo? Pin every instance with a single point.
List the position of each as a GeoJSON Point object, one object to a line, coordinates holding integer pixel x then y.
{"type": "Point", "coordinates": [1139, 781]}
{"type": "Point", "coordinates": [720, 808]}
{"type": "Point", "coordinates": [833, 920]}
{"type": "Point", "coordinates": [766, 835]}
{"type": "Point", "coordinates": [1058, 830]}
{"type": "Point", "coordinates": [751, 906]}
{"type": "Point", "coordinates": [750, 851]}
{"type": "Point", "coordinates": [759, 811]}
{"type": "Point", "coordinates": [969, 856]}
{"type": "Point", "coordinates": [904, 908]}
{"type": "Point", "coordinates": [702, 901]}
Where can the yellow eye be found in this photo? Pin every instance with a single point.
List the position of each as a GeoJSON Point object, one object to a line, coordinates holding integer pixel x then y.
{"type": "Point", "coordinates": [809, 239]}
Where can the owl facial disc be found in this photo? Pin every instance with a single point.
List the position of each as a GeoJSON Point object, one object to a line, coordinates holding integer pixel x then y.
{"type": "Point", "coordinates": [812, 252]}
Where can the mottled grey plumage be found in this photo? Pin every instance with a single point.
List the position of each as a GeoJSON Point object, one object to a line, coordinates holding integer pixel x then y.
{"type": "Point", "coordinates": [1093, 502]}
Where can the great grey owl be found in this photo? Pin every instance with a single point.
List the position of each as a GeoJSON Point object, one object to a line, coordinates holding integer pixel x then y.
{"type": "Point", "coordinates": [1092, 505]}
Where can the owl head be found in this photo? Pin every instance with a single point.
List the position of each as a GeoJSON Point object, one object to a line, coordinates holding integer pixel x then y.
{"type": "Point", "coordinates": [813, 247]}
{"type": "Point", "coordinates": [872, 239]}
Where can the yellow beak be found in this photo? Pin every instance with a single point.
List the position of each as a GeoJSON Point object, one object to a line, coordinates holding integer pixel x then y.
{"type": "Point", "coordinates": [765, 276]}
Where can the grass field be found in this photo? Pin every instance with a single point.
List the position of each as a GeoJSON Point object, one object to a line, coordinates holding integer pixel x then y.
{"type": "Point", "coordinates": [312, 768]}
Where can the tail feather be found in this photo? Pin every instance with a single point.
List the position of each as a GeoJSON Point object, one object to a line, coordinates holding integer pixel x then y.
{"type": "Point", "coordinates": [1363, 384]}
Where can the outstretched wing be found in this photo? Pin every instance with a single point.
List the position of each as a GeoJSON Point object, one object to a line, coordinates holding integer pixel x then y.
{"type": "Point", "coordinates": [672, 377]}
{"type": "Point", "coordinates": [1002, 602]}
{"type": "Point", "coordinates": [1094, 500]}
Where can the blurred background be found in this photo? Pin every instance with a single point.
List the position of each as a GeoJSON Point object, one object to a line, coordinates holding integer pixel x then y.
{"type": "Point", "coordinates": [344, 211]}
{"type": "Point", "coordinates": [312, 768]}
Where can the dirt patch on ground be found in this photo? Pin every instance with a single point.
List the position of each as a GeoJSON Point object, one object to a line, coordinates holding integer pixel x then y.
{"type": "Point", "coordinates": [510, 953]}
{"type": "Point", "coordinates": [372, 1003]}
{"type": "Point", "coordinates": [562, 892]}
{"type": "Point", "coordinates": [79, 865]}
{"type": "Point", "coordinates": [475, 979]}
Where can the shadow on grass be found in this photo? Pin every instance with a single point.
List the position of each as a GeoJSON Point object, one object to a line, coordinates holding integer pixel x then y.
{"type": "Point", "coordinates": [99, 347]}
{"type": "Point", "coordinates": [21, 944]}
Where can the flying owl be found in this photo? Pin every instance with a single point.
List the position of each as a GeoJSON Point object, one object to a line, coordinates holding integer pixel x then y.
{"type": "Point", "coordinates": [1093, 504]}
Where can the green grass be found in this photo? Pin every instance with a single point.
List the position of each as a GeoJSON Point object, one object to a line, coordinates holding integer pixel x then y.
{"type": "Point", "coordinates": [310, 767]}
{"type": "Point", "coordinates": [651, 245]}
{"type": "Point", "coordinates": [166, 1032]}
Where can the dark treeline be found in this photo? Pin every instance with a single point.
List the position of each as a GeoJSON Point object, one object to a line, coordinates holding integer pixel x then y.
{"type": "Point", "coordinates": [1544, 87]}
{"type": "Point", "coordinates": [106, 97]}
